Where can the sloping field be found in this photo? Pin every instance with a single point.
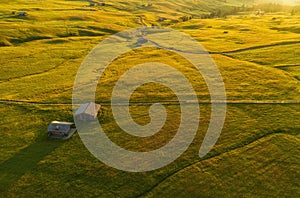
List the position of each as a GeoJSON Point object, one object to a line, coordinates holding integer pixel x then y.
{"type": "Point", "coordinates": [257, 154]}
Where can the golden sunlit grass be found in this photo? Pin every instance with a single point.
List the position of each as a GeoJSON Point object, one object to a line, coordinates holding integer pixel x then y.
{"type": "Point", "coordinates": [256, 154]}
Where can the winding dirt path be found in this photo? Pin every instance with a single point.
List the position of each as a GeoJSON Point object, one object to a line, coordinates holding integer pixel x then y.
{"type": "Point", "coordinates": [284, 43]}
{"type": "Point", "coordinates": [225, 52]}
{"type": "Point", "coordinates": [142, 21]}
{"type": "Point", "coordinates": [37, 73]}
{"type": "Point", "coordinates": [234, 148]}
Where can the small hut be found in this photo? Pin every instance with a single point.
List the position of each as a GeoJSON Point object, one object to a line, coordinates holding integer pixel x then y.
{"type": "Point", "coordinates": [22, 14]}
{"type": "Point", "coordinates": [62, 130]}
{"type": "Point", "coordinates": [87, 112]}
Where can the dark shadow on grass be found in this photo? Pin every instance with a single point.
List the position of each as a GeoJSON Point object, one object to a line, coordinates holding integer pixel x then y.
{"type": "Point", "coordinates": [28, 39]}
{"type": "Point", "coordinates": [25, 161]}
{"type": "Point", "coordinates": [106, 30]}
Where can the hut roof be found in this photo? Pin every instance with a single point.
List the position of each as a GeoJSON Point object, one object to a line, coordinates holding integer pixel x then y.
{"type": "Point", "coordinates": [60, 126]}
{"type": "Point", "coordinates": [88, 108]}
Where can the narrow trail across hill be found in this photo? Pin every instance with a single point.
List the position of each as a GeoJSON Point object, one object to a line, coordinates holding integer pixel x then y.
{"type": "Point", "coordinates": [234, 148]}
{"type": "Point", "coordinates": [186, 102]}
{"type": "Point", "coordinates": [37, 73]}
{"type": "Point", "coordinates": [284, 43]}
{"type": "Point", "coordinates": [142, 22]}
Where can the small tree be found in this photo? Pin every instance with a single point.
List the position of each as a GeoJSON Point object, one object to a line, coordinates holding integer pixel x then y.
{"type": "Point", "coordinates": [293, 12]}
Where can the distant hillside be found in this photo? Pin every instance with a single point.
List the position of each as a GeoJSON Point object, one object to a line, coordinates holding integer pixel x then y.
{"type": "Point", "coordinates": [68, 18]}
{"type": "Point", "coordinates": [284, 2]}
{"type": "Point", "coordinates": [196, 8]}
{"type": "Point", "coordinates": [174, 9]}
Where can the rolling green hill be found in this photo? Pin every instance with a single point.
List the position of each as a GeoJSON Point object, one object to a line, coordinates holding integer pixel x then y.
{"type": "Point", "coordinates": [257, 154]}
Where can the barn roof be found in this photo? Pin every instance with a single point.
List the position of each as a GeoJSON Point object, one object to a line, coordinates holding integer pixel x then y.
{"type": "Point", "coordinates": [88, 108]}
{"type": "Point", "coordinates": [60, 126]}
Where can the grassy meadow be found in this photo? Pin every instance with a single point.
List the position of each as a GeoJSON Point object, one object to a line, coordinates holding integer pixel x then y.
{"type": "Point", "coordinates": [257, 154]}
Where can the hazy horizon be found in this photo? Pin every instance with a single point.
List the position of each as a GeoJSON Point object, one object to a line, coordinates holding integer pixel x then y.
{"type": "Point", "coordinates": [286, 2]}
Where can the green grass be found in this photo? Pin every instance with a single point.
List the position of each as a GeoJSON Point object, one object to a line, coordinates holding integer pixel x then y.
{"type": "Point", "coordinates": [243, 31]}
{"type": "Point", "coordinates": [256, 155]}
{"type": "Point", "coordinates": [289, 55]}
{"type": "Point", "coordinates": [247, 173]}
{"type": "Point", "coordinates": [52, 165]}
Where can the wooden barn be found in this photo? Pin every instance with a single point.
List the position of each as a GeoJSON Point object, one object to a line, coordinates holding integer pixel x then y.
{"type": "Point", "coordinates": [61, 130]}
{"type": "Point", "coordinates": [87, 112]}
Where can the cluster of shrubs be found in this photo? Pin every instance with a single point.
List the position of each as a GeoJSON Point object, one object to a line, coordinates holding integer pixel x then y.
{"type": "Point", "coordinates": [147, 5]}
{"type": "Point", "coordinates": [231, 10]}
{"type": "Point", "coordinates": [260, 9]}
{"type": "Point", "coordinates": [226, 11]}
{"type": "Point", "coordinates": [93, 4]}
{"type": "Point", "coordinates": [185, 18]}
